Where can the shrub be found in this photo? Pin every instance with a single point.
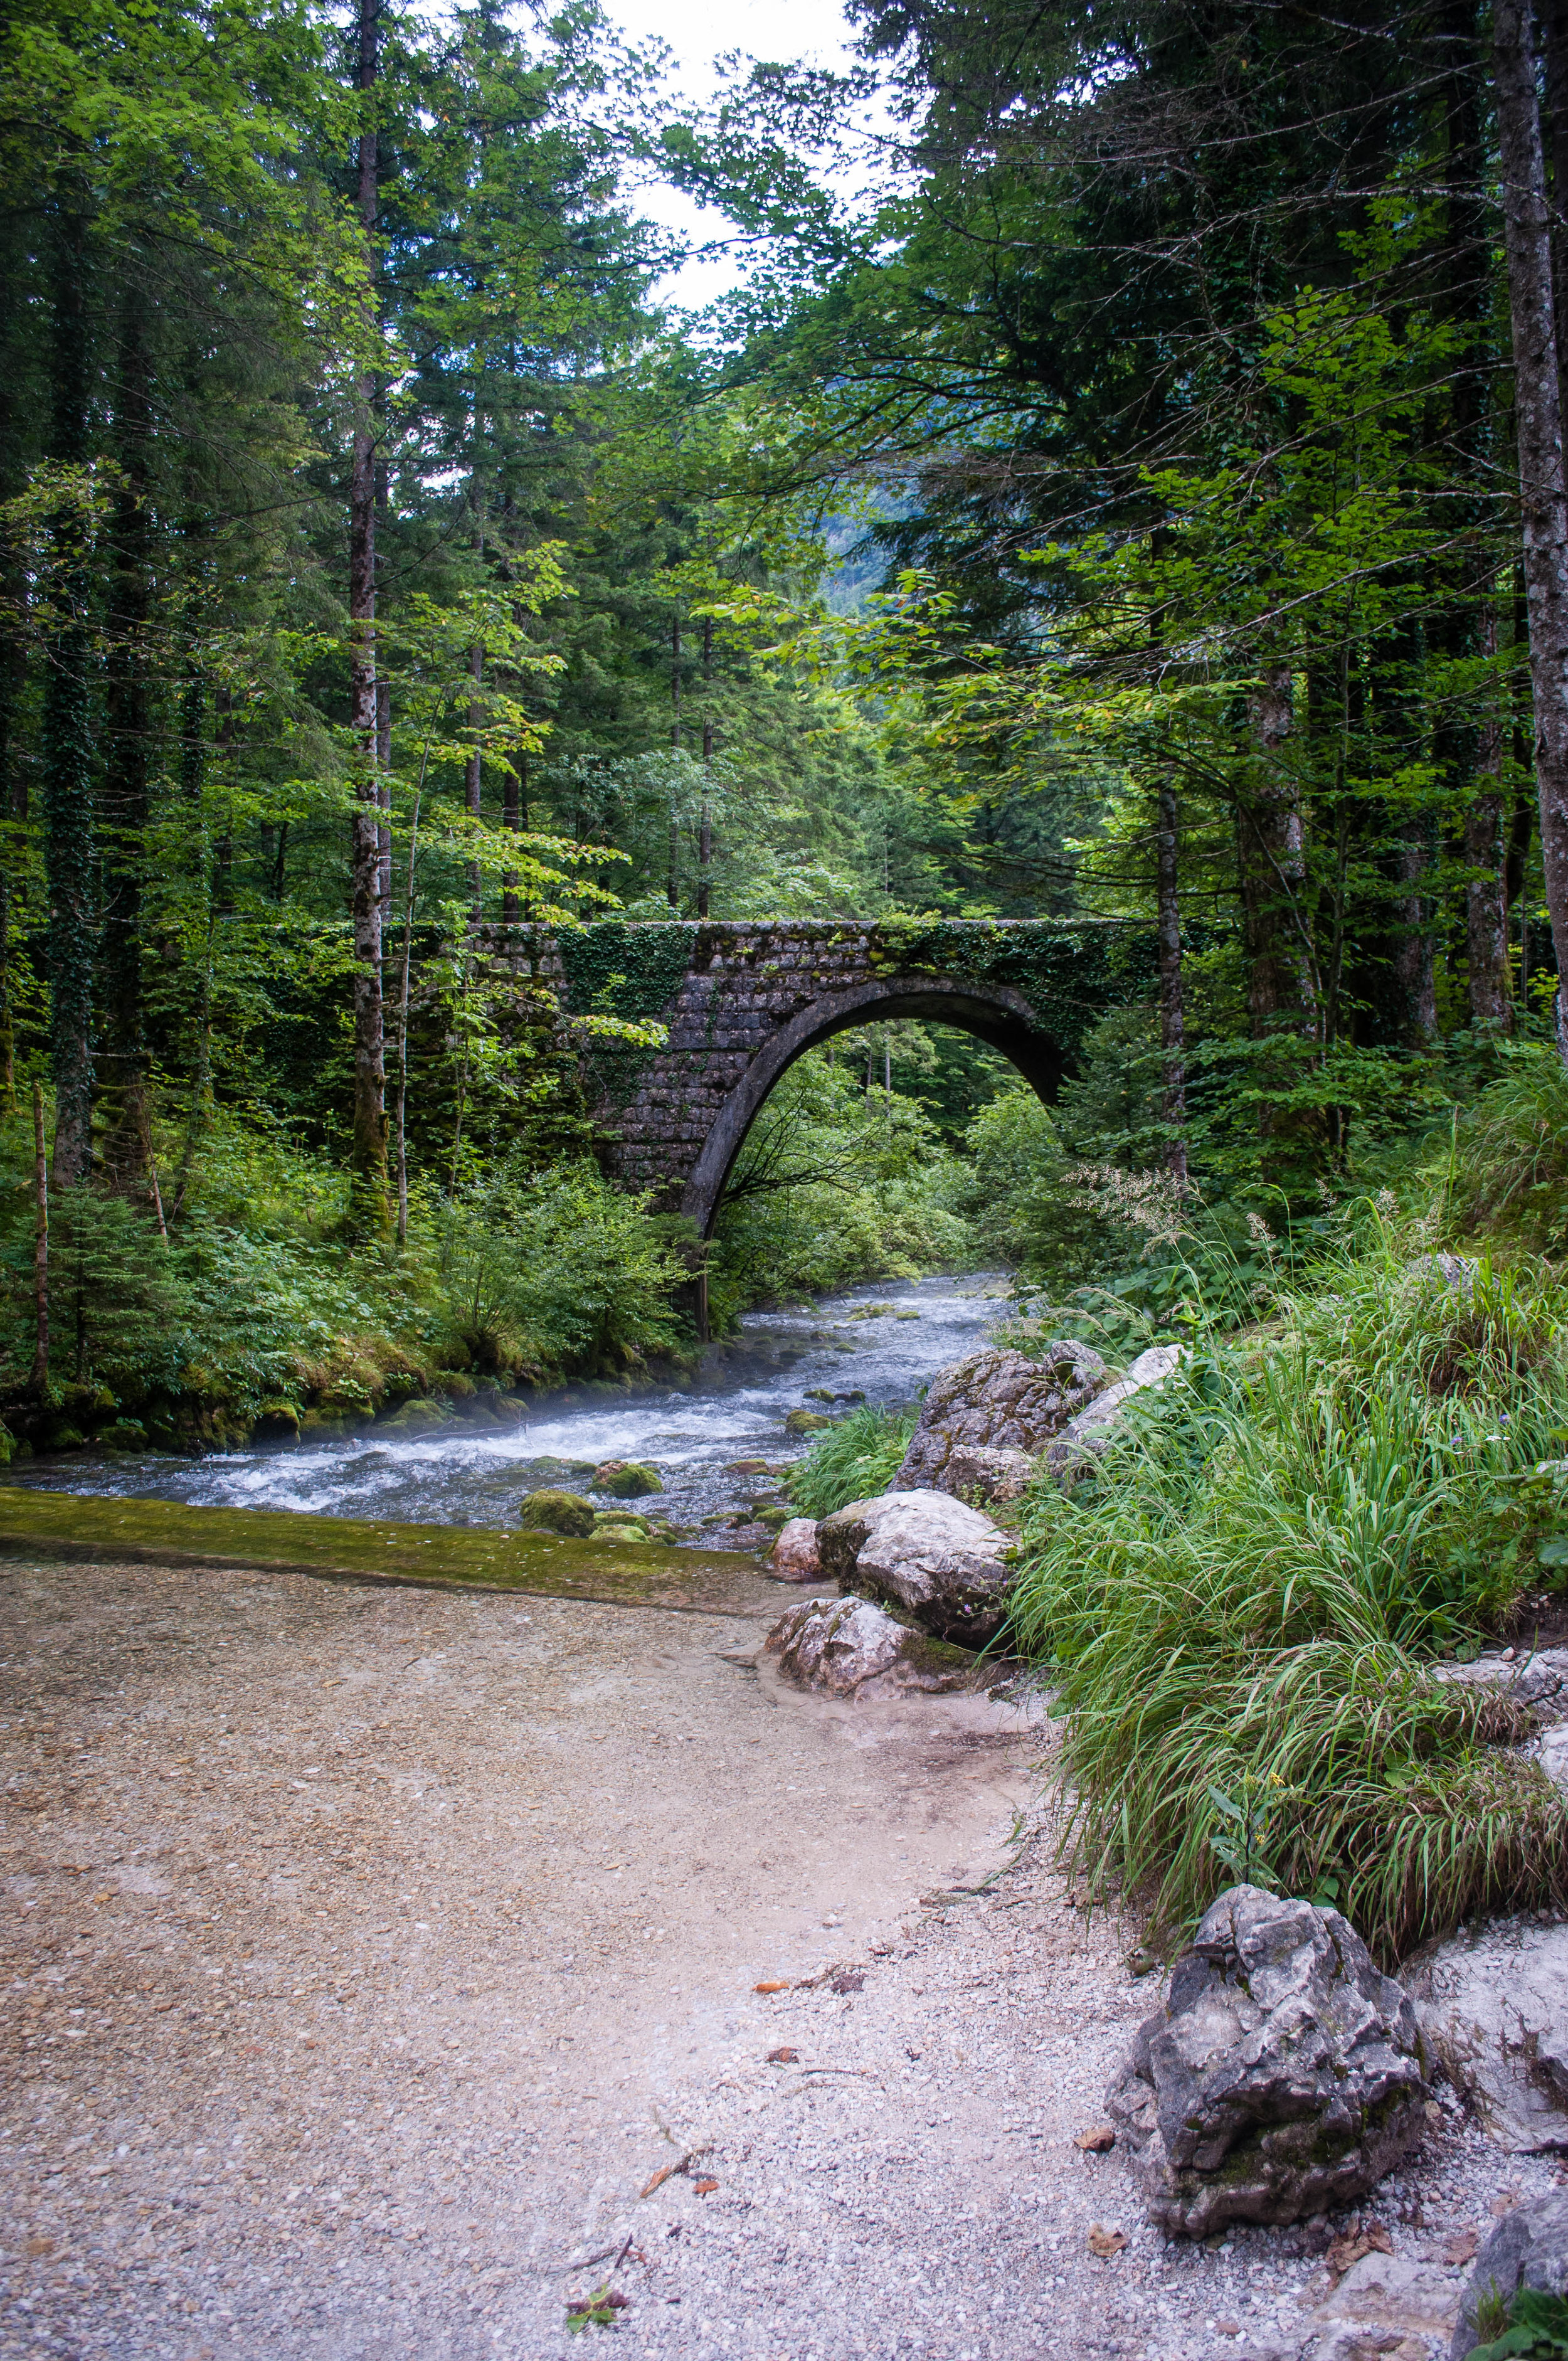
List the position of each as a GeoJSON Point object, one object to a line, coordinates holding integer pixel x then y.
{"type": "Point", "coordinates": [1508, 1170]}
{"type": "Point", "coordinates": [1241, 1606]}
{"type": "Point", "coordinates": [856, 1457]}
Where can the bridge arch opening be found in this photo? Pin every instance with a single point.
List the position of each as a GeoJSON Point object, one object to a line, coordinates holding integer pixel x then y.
{"type": "Point", "coordinates": [997, 1015]}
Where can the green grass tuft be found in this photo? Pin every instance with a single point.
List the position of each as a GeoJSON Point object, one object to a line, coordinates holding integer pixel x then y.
{"type": "Point", "coordinates": [1240, 1610]}
{"type": "Point", "coordinates": [858, 1457]}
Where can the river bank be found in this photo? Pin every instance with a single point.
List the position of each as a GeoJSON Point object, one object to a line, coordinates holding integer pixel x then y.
{"type": "Point", "coordinates": [877, 1346]}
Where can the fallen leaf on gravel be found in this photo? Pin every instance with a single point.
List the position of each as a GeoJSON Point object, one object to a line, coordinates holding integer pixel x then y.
{"type": "Point", "coordinates": [1095, 2142]}
{"type": "Point", "coordinates": [41, 2246]}
{"type": "Point", "coordinates": [705, 2188]}
{"type": "Point", "coordinates": [848, 1984]}
{"type": "Point", "coordinates": [1462, 2247]}
{"type": "Point", "coordinates": [1105, 2243]}
{"type": "Point", "coordinates": [664, 2174]}
{"type": "Point", "coordinates": [781, 1985]}
{"type": "Point", "coordinates": [1373, 2240]}
{"type": "Point", "coordinates": [782, 2057]}
{"type": "Point", "coordinates": [1505, 2200]}
{"type": "Point", "coordinates": [1227, 2328]}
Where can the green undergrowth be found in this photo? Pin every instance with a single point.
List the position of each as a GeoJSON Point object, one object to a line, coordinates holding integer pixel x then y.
{"type": "Point", "coordinates": [856, 1459]}
{"type": "Point", "coordinates": [259, 1308]}
{"type": "Point", "coordinates": [1241, 1608]}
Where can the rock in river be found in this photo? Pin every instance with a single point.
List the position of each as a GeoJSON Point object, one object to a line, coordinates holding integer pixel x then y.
{"type": "Point", "coordinates": [999, 1402]}
{"type": "Point", "coordinates": [627, 1480]}
{"type": "Point", "coordinates": [1491, 2007]}
{"type": "Point", "coordinates": [941, 1561]}
{"type": "Point", "coordinates": [848, 1647]}
{"type": "Point", "coordinates": [1281, 2078]}
{"type": "Point", "coordinates": [558, 1512]}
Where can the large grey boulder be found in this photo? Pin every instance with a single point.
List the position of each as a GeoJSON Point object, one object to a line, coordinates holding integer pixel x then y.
{"type": "Point", "coordinates": [1281, 2078]}
{"type": "Point", "coordinates": [848, 1647]}
{"type": "Point", "coordinates": [1492, 2009]}
{"type": "Point", "coordinates": [942, 1562]}
{"type": "Point", "coordinates": [1082, 1439]}
{"type": "Point", "coordinates": [996, 1403]}
{"type": "Point", "coordinates": [1529, 2249]}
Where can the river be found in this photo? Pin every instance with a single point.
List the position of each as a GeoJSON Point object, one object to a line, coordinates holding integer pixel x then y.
{"type": "Point", "coordinates": [881, 1345]}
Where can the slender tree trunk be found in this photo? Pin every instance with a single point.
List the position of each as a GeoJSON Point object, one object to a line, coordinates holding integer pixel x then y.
{"type": "Point", "coordinates": [673, 885]}
{"type": "Point", "coordinates": [384, 801]}
{"type": "Point", "coordinates": [67, 741]}
{"type": "Point", "coordinates": [1172, 1014]}
{"type": "Point", "coordinates": [473, 779]}
{"type": "Point", "coordinates": [705, 823]}
{"type": "Point", "coordinates": [1485, 895]}
{"type": "Point", "coordinates": [1538, 409]}
{"type": "Point", "coordinates": [13, 809]}
{"type": "Point", "coordinates": [514, 795]}
{"type": "Point", "coordinates": [368, 1154]}
{"type": "Point", "coordinates": [127, 1143]}
{"type": "Point", "coordinates": [1273, 864]}
{"type": "Point", "coordinates": [38, 1381]}
{"type": "Point", "coordinates": [1413, 964]}
{"type": "Point", "coordinates": [402, 1103]}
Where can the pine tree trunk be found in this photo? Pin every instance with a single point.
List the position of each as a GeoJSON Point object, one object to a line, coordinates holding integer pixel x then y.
{"type": "Point", "coordinates": [38, 1382]}
{"type": "Point", "coordinates": [1172, 1014]}
{"type": "Point", "coordinates": [1538, 410]}
{"type": "Point", "coordinates": [128, 1143]}
{"type": "Point", "coordinates": [368, 1153]}
{"type": "Point", "coordinates": [512, 793]}
{"type": "Point", "coordinates": [1485, 895]}
{"type": "Point", "coordinates": [474, 780]}
{"type": "Point", "coordinates": [1413, 965]}
{"type": "Point", "coordinates": [1273, 866]}
{"type": "Point", "coordinates": [67, 742]}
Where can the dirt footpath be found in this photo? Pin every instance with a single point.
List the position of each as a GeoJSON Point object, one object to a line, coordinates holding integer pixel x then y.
{"type": "Point", "coordinates": [380, 1975]}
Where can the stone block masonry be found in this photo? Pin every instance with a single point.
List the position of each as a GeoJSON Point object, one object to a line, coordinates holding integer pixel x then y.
{"type": "Point", "coordinates": [739, 1001]}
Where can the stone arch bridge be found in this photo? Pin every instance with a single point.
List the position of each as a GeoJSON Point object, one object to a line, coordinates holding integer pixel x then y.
{"type": "Point", "coordinates": [739, 1001]}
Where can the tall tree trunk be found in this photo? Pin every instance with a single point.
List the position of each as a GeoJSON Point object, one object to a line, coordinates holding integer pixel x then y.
{"type": "Point", "coordinates": [474, 779]}
{"type": "Point", "coordinates": [368, 1154]}
{"type": "Point", "coordinates": [38, 1382]}
{"type": "Point", "coordinates": [384, 801]}
{"type": "Point", "coordinates": [1273, 866]}
{"type": "Point", "coordinates": [67, 746]}
{"type": "Point", "coordinates": [514, 796]}
{"type": "Point", "coordinates": [1485, 895]}
{"type": "Point", "coordinates": [673, 884]}
{"type": "Point", "coordinates": [127, 1142]}
{"type": "Point", "coordinates": [1538, 409]}
{"type": "Point", "coordinates": [1413, 963]}
{"type": "Point", "coordinates": [704, 824]}
{"type": "Point", "coordinates": [1172, 1014]}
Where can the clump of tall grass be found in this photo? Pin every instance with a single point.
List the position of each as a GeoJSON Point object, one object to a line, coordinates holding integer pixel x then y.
{"type": "Point", "coordinates": [1241, 1607]}
{"type": "Point", "coordinates": [1508, 1166]}
{"type": "Point", "coordinates": [858, 1457]}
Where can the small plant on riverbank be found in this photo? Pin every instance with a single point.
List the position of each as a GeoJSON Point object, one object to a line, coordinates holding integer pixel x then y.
{"type": "Point", "coordinates": [858, 1457]}
{"type": "Point", "coordinates": [1241, 1607]}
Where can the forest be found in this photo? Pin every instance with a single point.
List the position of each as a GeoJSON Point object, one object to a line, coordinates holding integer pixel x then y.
{"type": "Point", "coordinates": [1141, 499]}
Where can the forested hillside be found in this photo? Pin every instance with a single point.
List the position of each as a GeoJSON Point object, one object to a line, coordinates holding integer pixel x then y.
{"type": "Point", "coordinates": [1113, 510]}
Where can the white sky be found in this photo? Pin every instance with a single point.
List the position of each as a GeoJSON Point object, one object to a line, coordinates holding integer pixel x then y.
{"type": "Point", "coordinates": [777, 31]}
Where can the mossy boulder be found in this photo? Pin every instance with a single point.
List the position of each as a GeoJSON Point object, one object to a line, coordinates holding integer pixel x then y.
{"type": "Point", "coordinates": [277, 1421]}
{"type": "Point", "coordinates": [806, 1421]}
{"type": "Point", "coordinates": [414, 1418]}
{"type": "Point", "coordinates": [125, 1435]}
{"type": "Point", "coordinates": [558, 1512]}
{"type": "Point", "coordinates": [627, 1480]}
{"type": "Point", "coordinates": [622, 1529]}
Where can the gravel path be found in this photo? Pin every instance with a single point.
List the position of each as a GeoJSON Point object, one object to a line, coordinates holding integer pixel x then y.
{"type": "Point", "coordinates": [372, 1955]}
